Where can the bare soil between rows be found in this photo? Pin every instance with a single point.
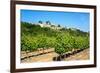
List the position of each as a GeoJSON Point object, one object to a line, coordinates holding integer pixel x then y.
{"type": "Point", "coordinates": [47, 57]}
{"type": "Point", "coordinates": [83, 55]}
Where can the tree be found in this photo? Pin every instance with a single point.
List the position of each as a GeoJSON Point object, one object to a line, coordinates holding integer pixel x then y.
{"type": "Point", "coordinates": [59, 25]}
{"type": "Point", "coordinates": [40, 22]}
{"type": "Point", "coordinates": [48, 22]}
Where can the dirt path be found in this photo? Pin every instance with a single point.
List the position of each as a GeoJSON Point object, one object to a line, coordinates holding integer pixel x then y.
{"type": "Point", "coordinates": [41, 58]}
{"type": "Point", "coordinates": [84, 55]}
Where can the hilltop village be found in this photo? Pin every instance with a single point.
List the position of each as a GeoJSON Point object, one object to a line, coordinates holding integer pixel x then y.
{"type": "Point", "coordinates": [49, 24]}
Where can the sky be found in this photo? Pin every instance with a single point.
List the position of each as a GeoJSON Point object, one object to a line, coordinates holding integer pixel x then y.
{"type": "Point", "coordinates": [79, 20]}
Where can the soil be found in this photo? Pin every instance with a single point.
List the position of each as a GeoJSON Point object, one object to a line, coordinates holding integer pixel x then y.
{"type": "Point", "coordinates": [83, 55]}
{"type": "Point", "coordinates": [47, 57]}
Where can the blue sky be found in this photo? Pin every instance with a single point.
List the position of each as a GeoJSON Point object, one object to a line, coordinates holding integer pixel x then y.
{"type": "Point", "coordinates": [77, 20]}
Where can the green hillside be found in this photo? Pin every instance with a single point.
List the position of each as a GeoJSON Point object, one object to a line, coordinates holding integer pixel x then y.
{"type": "Point", "coordinates": [63, 40]}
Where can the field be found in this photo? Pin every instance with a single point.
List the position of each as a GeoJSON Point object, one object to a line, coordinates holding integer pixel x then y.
{"type": "Point", "coordinates": [42, 44]}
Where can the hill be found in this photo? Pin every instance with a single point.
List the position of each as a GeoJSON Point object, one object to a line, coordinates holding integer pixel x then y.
{"type": "Point", "coordinates": [34, 37]}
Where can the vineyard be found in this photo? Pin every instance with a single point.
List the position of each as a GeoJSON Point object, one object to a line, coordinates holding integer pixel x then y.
{"type": "Point", "coordinates": [42, 40]}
